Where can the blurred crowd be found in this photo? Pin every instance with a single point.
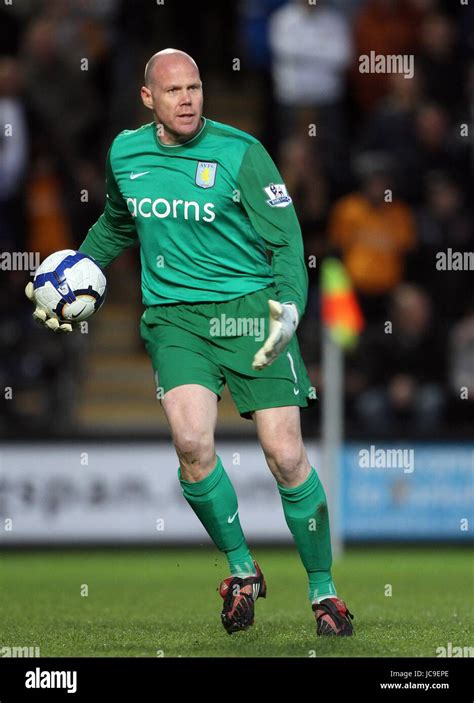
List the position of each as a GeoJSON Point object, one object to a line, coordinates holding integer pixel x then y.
{"type": "Point", "coordinates": [378, 163]}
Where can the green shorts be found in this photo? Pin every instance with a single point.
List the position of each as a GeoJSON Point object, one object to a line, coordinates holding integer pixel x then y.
{"type": "Point", "coordinates": [214, 343]}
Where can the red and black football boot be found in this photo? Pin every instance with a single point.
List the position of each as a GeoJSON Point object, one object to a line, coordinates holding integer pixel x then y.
{"type": "Point", "coordinates": [239, 596]}
{"type": "Point", "coordinates": [333, 618]}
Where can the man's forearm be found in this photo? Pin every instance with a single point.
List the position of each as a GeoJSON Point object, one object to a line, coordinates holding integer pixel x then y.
{"type": "Point", "coordinates": [291, 277]}
{"type": "Point", "coordinates": [104, 244]}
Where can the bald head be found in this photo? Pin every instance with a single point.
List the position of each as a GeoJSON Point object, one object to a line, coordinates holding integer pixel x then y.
{"type": "Point", "coordinates": [161, 63]}
{"type": "Point", "coordinates": [173, 91]}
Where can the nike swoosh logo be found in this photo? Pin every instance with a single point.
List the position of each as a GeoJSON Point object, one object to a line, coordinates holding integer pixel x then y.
{"type": "Point", "coordinates": [79, 313]}
{"type": "Point", "coordinates": [231, 519]}
{"type": "Point", "coordinates": [296, 391]}
{"type": "Point", "coordinates": [137, 175]}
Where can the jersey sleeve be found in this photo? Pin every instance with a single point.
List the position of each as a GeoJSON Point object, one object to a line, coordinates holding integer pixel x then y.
{"type": "Point", "coordinates": [115, 229]}
{"type": "Point", "coordinates": [272, 214]}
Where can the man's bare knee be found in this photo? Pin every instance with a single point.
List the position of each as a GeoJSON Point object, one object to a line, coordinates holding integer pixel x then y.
{"type": "Point", "coordinates": [191, 411]}
{"type": "Point", "coordinates": [196, 453]}
{"type": "Point", "coordinates": [288, 463]}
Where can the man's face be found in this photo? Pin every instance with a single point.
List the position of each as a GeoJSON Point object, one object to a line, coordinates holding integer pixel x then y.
{"type": "Point", "coordinates": [175, 96]}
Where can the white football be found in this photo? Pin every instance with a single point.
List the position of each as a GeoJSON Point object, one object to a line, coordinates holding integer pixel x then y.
{"type": "Point", "coordinates": [69, 286]}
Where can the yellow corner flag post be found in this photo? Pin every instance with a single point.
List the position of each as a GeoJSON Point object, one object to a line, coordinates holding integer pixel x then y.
{"type": "Point", "coordinates": [342, 323]}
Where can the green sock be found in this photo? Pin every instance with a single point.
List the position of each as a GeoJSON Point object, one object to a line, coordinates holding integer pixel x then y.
{"type": "Point", "coordinates": [306, 515]}
{"type": "Point", "coordinates": [215, 503]}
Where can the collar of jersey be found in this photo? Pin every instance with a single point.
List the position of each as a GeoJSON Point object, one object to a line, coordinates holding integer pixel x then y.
{"type": "Point", "coordinates": [194, 140]}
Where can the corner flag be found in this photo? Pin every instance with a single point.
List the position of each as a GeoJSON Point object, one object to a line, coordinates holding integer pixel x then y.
{"type": "Point", "coordinates": [341, 313]}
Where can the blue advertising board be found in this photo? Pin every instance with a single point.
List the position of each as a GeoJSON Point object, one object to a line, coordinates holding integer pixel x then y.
{"type": "Point", "coordinates": [407, 491]}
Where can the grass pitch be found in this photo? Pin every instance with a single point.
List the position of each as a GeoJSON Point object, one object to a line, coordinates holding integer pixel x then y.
{"type": "Point", "coordinates": [163, 602]}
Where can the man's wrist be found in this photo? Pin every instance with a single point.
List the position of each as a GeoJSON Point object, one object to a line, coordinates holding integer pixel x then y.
{"type": "Point", "coordinates": [290, 302]}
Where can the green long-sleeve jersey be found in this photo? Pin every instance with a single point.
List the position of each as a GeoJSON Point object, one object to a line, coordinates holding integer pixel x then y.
{"type": "Point", "coordinates": [205, 213]}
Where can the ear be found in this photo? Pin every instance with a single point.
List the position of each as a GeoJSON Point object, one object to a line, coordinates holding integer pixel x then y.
{"type": "Point", "coordinates": [147, 98]}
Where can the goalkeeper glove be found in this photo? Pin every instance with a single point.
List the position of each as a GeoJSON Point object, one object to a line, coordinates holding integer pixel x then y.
{"type": "Point", "coordinates": [41, 315]}
{"type": "Point", "coordinates": [283, 323]}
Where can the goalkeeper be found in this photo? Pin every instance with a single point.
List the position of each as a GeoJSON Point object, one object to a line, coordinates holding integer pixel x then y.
{"type": "Point", "coordinates": [206, 203]}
